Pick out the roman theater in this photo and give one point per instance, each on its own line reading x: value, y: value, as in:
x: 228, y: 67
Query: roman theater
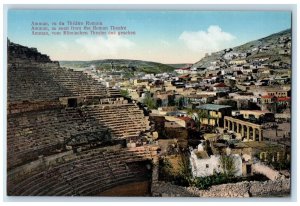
x: 68, y: 135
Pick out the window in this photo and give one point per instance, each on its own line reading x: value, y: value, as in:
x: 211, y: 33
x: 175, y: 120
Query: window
x: 207, y: 165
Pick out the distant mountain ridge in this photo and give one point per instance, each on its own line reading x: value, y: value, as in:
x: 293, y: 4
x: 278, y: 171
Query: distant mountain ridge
x: 124, y: 65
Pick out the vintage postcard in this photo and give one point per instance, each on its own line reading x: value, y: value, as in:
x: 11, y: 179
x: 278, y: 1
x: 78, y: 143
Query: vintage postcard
x: 152, y: 103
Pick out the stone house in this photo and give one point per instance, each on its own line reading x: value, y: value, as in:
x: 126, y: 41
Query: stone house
x: 214, y: 114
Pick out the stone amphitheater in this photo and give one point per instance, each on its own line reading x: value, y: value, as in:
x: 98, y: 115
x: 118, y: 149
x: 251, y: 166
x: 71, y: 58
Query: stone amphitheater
x: 67, y: 134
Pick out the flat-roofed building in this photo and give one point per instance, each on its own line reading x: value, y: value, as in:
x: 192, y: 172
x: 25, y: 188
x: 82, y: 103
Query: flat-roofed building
x: 268, y: 99
x: 214, y: 114
x: 258, y: 115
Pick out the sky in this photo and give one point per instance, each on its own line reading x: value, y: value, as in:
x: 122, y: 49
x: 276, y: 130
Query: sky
x: 161, y: 36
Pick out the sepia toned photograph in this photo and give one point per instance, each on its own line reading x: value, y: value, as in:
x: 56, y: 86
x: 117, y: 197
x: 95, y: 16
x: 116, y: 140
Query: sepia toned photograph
x: 149, y: 103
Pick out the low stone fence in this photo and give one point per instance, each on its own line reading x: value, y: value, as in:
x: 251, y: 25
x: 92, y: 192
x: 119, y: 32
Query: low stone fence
x: 240, y: 189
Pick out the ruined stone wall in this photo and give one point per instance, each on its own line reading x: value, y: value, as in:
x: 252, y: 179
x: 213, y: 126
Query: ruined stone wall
x: 270, y: 173
x: 181, y: 134
x: 32, y: 106
x: 18, y: 52
x: 241, y: 189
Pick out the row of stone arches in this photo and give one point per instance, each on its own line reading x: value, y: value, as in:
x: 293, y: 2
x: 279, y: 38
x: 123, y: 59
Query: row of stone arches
x: 247, y: 130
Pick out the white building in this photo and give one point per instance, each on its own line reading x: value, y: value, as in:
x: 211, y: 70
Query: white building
x: 183, y: 70
x: 207, y: 166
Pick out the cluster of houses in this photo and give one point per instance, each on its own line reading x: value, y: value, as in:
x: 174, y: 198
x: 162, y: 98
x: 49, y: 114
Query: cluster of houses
x: 236, y: 105
x: 242, y: 108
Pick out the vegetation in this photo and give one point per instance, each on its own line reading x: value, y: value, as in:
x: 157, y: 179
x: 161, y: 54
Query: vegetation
x: 125, y: 65
x: 166, y: 170
x: 182, y: 177
x: 185, y: 173
x: 171, y: 102
x: 204, y: 183
x: 128, y: 74
x: 271, y: 158
x: 281, y: 165
x: 124, y: 93
x: 198, y: 115
x: 228, y: 166
x: 149, y: 101
x: 180, y: 102
x: 185, y: 178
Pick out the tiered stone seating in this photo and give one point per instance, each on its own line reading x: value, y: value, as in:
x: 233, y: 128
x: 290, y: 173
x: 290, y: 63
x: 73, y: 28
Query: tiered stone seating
x: 47, y: 83
x: 33, y: 76
x: 40, y: 122
x: 125, y: 120
x: 35, y: 133
x: 87, y: 173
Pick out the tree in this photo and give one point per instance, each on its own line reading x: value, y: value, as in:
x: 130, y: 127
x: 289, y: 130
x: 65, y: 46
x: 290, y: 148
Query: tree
x: 149, y: 101
x: 228, y: 165
x: 124, y: 93
x: 165, y: 170
x: 180, y: 102
x: 200, y: 115
x: 185, y: 173
x: 190, y: 111
x: 197, y: 115
x: 171, y: 102
x: 158, y: 102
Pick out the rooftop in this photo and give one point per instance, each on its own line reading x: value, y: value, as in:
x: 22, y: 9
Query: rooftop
x: 213, y: 107
x: 201, y: 154
x: 267, y: 96
x: 185, y: 118
x: 283, y: 99
x: 184, y: 76
x: 220, y: 85
x: 255, y: 111
x: 176, y: 113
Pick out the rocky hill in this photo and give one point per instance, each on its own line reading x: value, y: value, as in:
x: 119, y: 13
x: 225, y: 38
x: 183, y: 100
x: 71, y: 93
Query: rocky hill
x: 274, y: 49
x: 17, y: 52
x: 123, y: 65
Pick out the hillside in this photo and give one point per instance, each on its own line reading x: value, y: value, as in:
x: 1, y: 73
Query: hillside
x: 123, y: 65
x: 177, y: 66
x: 275, y: 48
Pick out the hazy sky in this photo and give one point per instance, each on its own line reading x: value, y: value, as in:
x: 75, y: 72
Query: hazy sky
x: 167, y: 37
